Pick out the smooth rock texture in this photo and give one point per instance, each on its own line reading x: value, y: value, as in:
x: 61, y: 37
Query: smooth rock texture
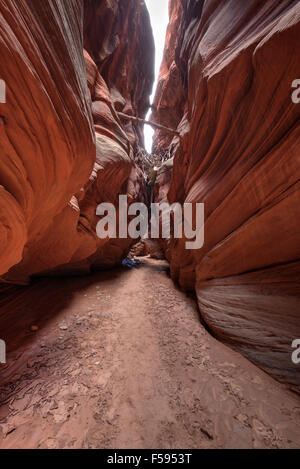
x: 64, y: 149
x: 118, y: 37
x: 226, y: 83
x: 44, y: 161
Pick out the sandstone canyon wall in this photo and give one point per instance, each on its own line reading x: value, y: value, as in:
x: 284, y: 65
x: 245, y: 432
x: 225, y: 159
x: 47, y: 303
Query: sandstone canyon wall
x: 63, y: 147
x: 225, y: 83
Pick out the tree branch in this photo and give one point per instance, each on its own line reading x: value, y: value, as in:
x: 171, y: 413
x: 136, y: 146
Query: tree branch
x: 152, y: 124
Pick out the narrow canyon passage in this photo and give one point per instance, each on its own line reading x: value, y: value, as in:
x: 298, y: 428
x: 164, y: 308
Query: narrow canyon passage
x: 96, y: 352
x: 121, y: 360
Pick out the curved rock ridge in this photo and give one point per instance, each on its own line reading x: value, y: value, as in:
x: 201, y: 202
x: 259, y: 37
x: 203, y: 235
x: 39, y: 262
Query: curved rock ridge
x: 229, y: 68
x: 118, y: 36
x: 64, y: 148
x: 43, y: 161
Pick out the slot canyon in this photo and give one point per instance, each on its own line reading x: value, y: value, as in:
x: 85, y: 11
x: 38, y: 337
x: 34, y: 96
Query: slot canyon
x: 126, y: 343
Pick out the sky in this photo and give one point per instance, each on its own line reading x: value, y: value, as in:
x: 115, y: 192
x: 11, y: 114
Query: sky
x: 159, y: 15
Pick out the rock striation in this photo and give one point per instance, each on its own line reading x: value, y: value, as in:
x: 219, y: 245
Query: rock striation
x: 64, y: 149
x: 225, y: 83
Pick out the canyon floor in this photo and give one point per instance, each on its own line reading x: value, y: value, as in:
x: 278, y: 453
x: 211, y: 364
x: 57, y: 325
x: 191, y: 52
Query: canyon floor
x: 121, y: 360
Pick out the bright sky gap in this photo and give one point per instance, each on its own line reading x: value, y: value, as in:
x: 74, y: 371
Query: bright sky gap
x: 159, y: 15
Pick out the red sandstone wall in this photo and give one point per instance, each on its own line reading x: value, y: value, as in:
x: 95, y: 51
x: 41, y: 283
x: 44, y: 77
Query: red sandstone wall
x: 228, y: 70
x: 51, y: 176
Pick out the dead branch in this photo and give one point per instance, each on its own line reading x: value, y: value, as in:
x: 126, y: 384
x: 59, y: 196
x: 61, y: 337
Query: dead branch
x: 152, y: 124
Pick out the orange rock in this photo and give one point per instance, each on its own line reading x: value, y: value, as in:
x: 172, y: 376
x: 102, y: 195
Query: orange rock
x: 44, y: 161
x: 239, y: 154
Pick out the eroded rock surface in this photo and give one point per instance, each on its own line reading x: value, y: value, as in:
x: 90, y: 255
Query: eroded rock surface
x: 226, y: 84
x: 76, y: 383
x: 56, y: 166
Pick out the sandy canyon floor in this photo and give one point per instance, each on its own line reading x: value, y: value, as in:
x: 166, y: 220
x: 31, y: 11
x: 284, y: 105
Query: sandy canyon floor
x: 121, y: 360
